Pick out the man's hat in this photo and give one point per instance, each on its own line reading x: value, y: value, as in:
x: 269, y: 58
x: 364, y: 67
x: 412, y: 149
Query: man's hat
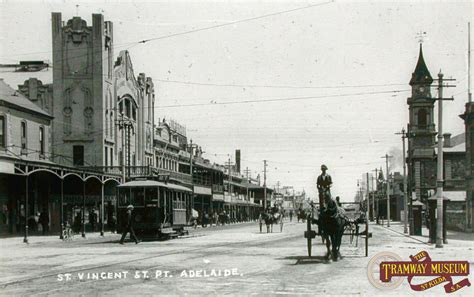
x: 324, y: 167
x: 130, y: 207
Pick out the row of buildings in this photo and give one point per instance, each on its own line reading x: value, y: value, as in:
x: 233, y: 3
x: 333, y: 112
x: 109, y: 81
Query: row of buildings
x: 65, y: 146
x: 421, y: 159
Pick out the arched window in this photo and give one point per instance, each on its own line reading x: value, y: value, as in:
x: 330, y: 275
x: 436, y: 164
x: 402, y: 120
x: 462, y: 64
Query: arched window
x: 127, y: 108
x: 41, y: 141
x: 422, y: 118
x: 23, y: 137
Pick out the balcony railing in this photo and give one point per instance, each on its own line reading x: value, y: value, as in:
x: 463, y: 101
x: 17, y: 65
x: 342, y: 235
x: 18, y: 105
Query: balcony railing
x: 183, y: 177
x: 144, y: 171
x: 218, y: 188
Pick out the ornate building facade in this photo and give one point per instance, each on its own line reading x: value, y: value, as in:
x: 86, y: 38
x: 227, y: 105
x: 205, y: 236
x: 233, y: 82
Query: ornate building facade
x: 422, y: 153
x: 421, y: 132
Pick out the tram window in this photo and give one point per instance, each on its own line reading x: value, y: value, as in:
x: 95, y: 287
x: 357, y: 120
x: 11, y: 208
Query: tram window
x: 123, y: 197
x: 151, y: 196
x: 162, y: 197
x: 138, y: 197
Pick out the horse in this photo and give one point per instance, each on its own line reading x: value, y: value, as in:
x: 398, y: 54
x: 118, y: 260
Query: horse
x: 270, y: 218
x: 331, y: 224
x: 301, y: 215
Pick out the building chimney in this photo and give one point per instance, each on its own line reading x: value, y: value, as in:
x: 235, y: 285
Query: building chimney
x: 447, y: 139
x: 237, y: 160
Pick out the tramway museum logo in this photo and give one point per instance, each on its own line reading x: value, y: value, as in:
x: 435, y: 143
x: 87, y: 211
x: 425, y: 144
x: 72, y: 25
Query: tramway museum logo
x: 387, y: 271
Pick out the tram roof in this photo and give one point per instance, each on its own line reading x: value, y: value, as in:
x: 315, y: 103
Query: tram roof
x: 152, y: 183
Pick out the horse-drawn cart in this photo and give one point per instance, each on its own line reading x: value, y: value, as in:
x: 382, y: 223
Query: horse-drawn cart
x: 348, y: 226
x: 270, y: 218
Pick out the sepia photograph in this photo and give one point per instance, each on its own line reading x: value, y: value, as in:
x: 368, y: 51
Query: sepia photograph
x: 237, y: 147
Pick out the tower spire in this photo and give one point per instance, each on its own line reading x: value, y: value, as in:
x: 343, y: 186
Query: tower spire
x: 421, y: 75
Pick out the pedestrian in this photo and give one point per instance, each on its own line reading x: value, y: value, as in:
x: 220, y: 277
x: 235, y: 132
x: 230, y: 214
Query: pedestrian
x: 129, y: 227
x: 77, y: 222
x: 112, y: 223
x: 291, y: 215
x: 37, y: 223
x: 92, y: 219
x: 205, y: 219
x: 216, y: 218
x: 44, y: 221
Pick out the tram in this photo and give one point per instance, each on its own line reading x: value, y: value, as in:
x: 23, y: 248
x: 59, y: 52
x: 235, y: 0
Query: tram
x: 161, y: 210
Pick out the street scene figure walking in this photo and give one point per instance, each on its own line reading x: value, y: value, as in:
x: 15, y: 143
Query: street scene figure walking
x: 129, y: 227
x: 44, y: 221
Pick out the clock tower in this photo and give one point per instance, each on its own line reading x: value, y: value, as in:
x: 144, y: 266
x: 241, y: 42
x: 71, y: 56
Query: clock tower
x: 421, y: 132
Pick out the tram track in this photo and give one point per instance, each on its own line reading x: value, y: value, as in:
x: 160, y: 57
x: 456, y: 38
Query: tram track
x: 205, y: 247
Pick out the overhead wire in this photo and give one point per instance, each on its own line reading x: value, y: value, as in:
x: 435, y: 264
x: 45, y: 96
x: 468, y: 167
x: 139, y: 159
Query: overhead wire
x: 143, y: 41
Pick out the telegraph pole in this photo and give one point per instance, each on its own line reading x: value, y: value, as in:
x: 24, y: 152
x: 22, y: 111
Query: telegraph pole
x: 439, y: 172
x: 368, y: 197
x: 405, y: 192
x: 373, y: 199
x: 229, y: 180
x: 439, y: 180
x: 386, y: 157
x: 247, y: 171
x: 191, y: 146
x: 376, y: 185
x: 264, y: 184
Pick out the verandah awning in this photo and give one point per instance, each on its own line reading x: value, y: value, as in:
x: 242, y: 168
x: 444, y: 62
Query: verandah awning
x: 153, y: 184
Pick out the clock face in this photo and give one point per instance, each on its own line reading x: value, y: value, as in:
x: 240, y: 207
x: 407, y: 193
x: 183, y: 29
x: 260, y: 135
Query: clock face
x: 421, y: 89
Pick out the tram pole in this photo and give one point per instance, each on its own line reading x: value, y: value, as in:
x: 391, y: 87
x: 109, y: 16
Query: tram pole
x: 405, y: 191
x: 83, y: 208
x: 376, y: 200
x: 386, y: 157
x: 25, y: 239
x: 102, y: 212
x: 264, y: 184
x: 439, y: 179
x: 191, y: 147
x: 61, y: 210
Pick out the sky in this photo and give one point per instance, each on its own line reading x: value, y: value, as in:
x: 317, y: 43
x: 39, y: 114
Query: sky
x: 296, y: 83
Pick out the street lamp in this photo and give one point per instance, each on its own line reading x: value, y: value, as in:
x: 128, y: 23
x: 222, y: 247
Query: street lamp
x: 125, y: 124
